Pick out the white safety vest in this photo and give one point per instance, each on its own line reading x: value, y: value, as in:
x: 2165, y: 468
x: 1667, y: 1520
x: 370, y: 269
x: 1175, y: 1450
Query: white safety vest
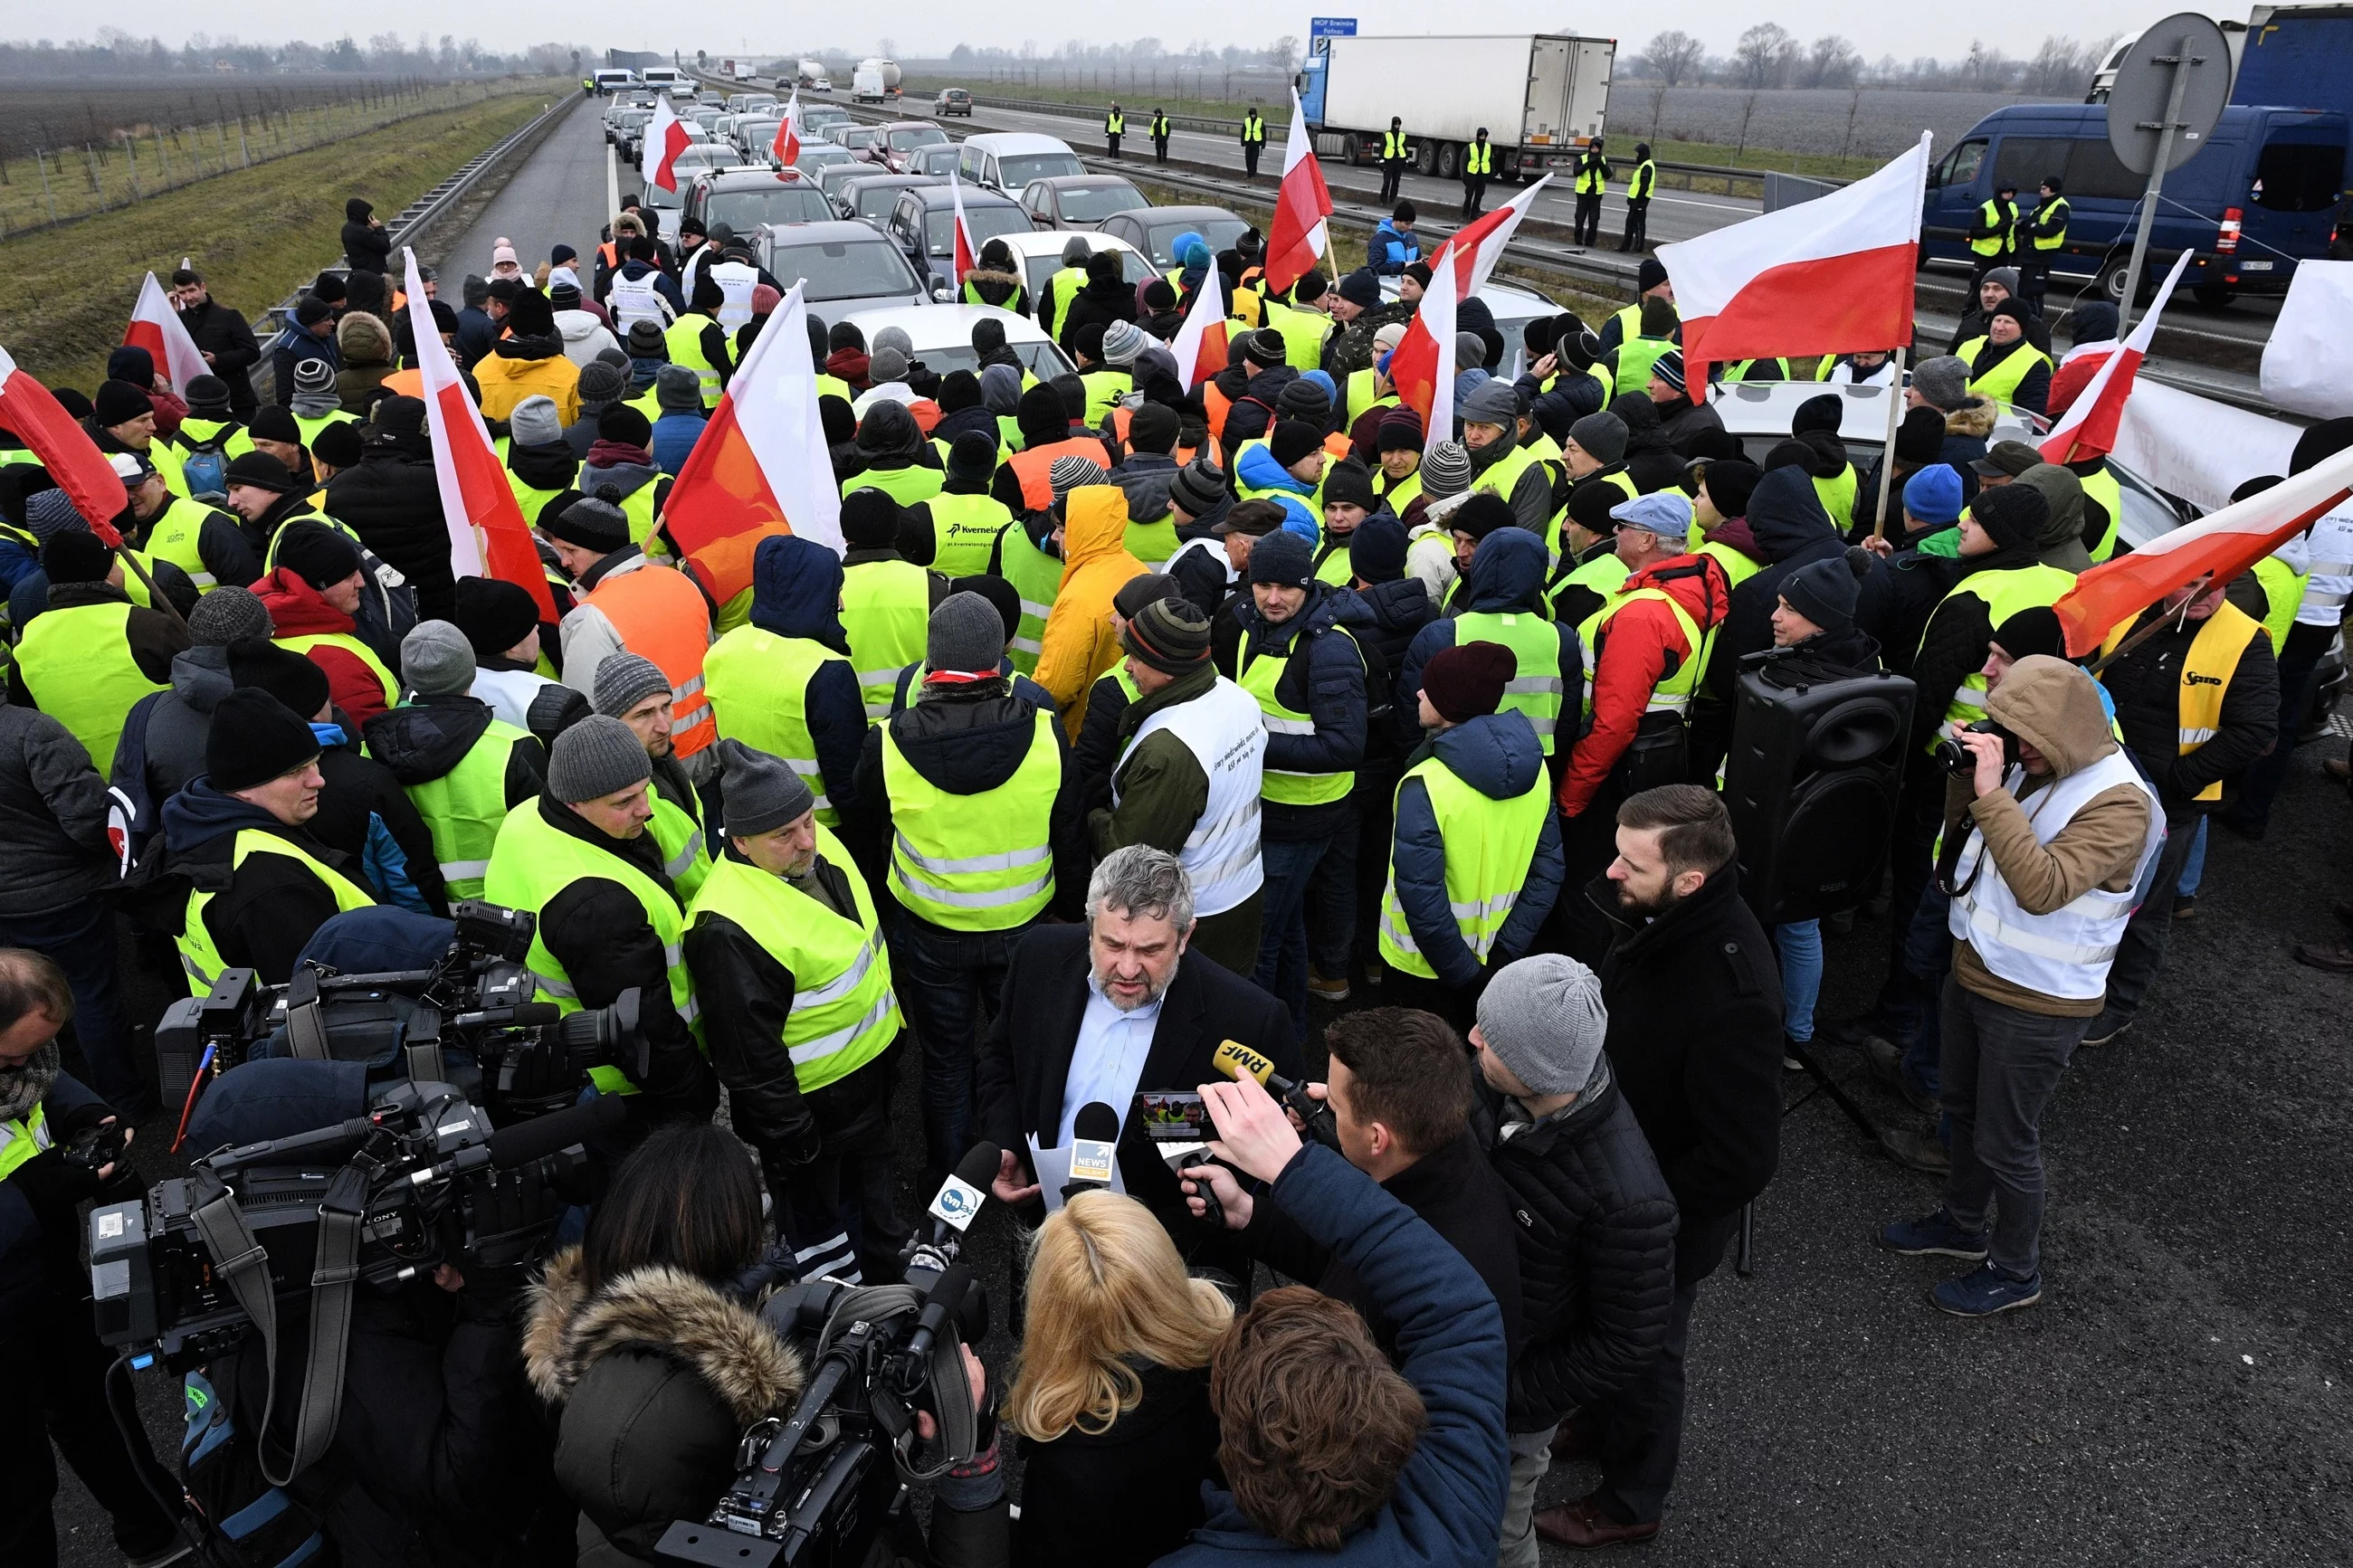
x: 1222, y: 729
x: 2066, y: 952
x: 2331, y: 543
x: 738, y: 281
x: 509, y: 693
x: 635, y: 299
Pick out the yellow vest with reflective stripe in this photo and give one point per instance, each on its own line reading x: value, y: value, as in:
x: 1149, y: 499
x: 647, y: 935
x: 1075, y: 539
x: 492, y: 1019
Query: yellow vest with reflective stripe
x: 1837, y: 495
x: 1538, y: 688
x: 1038, y: 578
x: 1152, y: 542
x: 1999, y: 382
x: 844, y: 1014
x: 686, y: 849
x: 886, y: 611
x: 684, y: 337
x: 1061, y: 290
x: 22, y: 1139
x: 1998, y: 216
x: 1635, y: 358
x: 1114, y: 124
x: 199, y: 956
x: 1258, y: 675
x: 963, y: 532
x: 2004, y: 594
x: 1105, y: 386
x: 304, y: 642
x: 2103, y: 487
x: 76, y: 665
x: 309, y: 424
x: 1644, y: 184
x: 2206, y: 671
x: 1671, y: 695
x: 758, y: 686
x: 975, y: 862
x: 278, y: 534
x: 1253, y: 128
x: 530, y: 863
x: 1590, y: 180
x: 1393, y: 144
x: 531, y: 498
x: 2282, y: 596
x: 464, y: 807
x: 1478, y: 158
x: 1303, y: 333
x: 1360, y: 397
x: 174, y: 536
x: 906, y: 486
x: 1489, y: 846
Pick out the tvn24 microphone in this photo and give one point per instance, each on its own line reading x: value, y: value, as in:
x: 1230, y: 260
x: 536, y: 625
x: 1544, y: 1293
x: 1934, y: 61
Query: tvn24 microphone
x: 1095, y: 1146
x: 961, y: 1196
x: 1237, y: 1061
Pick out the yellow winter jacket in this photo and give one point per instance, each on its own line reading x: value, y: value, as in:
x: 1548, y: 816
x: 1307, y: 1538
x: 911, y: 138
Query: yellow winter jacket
x: 1078, y: 644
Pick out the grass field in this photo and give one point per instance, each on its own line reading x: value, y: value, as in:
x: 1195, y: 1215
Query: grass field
x: 55, y: 112
x: 256, y: 233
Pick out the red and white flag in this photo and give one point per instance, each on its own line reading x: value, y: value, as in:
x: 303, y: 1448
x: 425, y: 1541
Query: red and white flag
x: 968, y: 254
x: 2088, y: 430
x: 1421, y: 367
x: 1833, y: 275
x: 760, y: 467
x: 787, y: 147
x: 1200, y: 347
x: 155, y: 327
x: 1297, y: 236
x: 2222, y: 544
x: 488, y: 534
x: 28, y: 413
x: 1483, y: 241
x: 666, y: 138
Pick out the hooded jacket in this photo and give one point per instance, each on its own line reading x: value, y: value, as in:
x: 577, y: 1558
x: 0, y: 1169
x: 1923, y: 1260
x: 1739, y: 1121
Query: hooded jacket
x: 1325, y: 676
x: 367, y: 249
x: 425, y: 737
x: 1078, y: 644
x: 1643, y: 644
x: 1256, y: 469
x: 1507, y: 576
x: 584, y: 336
x: 393, y: 501
x: 1002, y: 289
x: 365, y: 814
x: 1497, y: 755
x: 365, y: 346
x: 2063, y: 544
x: 2056, y: 708
x: 266, y: 910
x: 296, y: 609
x: 614, y: 471
x: 796, y: 593
x: 163, y: 743
x: 520, y: 367
x: 1966, y: 430
x: 1790, y: 529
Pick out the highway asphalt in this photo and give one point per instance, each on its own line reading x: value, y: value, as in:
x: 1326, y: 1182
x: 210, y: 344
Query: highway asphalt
x: 557, y: 194
x: 2172, y: 1401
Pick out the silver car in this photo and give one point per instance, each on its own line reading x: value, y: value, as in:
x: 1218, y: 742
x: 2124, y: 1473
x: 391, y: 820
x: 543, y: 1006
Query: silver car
x: 846, y: 267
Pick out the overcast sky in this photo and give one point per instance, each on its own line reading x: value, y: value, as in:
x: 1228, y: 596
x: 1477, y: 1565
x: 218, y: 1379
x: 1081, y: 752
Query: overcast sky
x: 1904, y: 30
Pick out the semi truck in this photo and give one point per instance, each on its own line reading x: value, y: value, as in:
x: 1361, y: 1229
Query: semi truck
x: 1542, y: 96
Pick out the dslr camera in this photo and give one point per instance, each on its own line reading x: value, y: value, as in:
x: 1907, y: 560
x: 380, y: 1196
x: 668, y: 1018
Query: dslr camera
x: 1961, y: 762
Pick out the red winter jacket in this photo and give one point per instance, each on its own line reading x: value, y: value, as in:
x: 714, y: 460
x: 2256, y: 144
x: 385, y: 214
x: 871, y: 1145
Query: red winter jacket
x: 297, y: 610
x: 2068, y: 382
x: 1635, y: 651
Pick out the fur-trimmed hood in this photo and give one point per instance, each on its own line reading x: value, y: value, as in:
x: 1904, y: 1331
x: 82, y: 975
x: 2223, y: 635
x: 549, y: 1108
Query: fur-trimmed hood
x: 664, y: 1311
x: 1974, y: 418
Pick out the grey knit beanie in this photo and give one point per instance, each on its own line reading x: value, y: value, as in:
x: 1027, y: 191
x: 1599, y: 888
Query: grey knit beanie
x: 678, y: 390
x: 1601, y: 434
x: 226, y: 614
x: 761, y: 793
x: 966, y: 636
x: 1942, y: 383
x: 1445, y: 470
x: 535, y: 423
x: 437, y: 660
x: 625, y: 679
x: 1544, y: 1019
x: 595, y: 757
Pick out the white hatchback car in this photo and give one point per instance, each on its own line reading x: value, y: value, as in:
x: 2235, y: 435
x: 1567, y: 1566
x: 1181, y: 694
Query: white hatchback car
x: 942, y: 336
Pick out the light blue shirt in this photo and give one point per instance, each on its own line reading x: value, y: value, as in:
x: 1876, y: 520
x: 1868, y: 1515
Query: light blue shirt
x: 1108, y: 1061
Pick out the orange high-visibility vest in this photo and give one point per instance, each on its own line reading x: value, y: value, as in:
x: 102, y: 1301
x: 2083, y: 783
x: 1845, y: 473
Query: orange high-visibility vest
x: 1215, y: 403
x: 660, y: 613
x: 1030, y: 467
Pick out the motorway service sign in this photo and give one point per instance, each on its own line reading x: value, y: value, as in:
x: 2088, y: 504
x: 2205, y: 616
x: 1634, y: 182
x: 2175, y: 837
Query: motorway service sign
x: 1331, y: 27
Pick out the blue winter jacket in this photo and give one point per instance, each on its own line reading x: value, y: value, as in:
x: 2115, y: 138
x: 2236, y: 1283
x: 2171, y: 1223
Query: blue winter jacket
x: 1258, y: 470
x: 1497, y: 755
x: 1507, y: 576
x: 1390, y: 251
x: 674, y: 437
x: 1447, y: 1507
x: 796, y: 593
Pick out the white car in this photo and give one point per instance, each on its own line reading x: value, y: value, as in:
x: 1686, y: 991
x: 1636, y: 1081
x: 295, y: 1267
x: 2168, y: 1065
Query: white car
x: 942, y: 336
x: 1039, y: 254
x: 1008, y: 161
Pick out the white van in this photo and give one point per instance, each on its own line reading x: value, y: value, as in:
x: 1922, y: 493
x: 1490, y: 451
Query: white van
x: 1008, y: 161
x: 668, y: 79
x: 612, y: 81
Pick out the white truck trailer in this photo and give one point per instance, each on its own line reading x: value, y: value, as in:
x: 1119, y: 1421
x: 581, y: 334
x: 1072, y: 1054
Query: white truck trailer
x: 1542, y: 96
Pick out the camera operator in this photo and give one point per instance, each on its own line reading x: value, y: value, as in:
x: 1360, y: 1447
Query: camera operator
x: 581, y: 857
x: 259, y: 885
x: 799, y: 1015
x: 1326, y: 1448
x: 56, y: 1367
x: 440, y: 1458
x: 1111, y: 1393
x: 2044, y: 852
x: 1400, y: 1096
x: 641, y: 1338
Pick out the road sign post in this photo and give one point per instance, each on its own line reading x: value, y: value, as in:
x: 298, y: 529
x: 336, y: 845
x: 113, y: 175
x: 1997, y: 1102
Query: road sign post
x: 2169, y: 90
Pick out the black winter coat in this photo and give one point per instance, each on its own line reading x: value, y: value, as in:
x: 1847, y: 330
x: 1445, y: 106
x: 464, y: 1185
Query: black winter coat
x: 1126, y: 1496
x: 1787, y: 520
x: 2146, y: 686
x: 1695, y: 1000
x: 1324, y: 676
x: 226, y: 336
x: 367, y: 249
x: 393, y: 503
x: 53, y: 845
x: 1393, y: 613
x: 1097, y: 304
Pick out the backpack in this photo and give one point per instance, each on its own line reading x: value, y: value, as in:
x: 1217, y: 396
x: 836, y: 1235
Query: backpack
x: 205, y: 467
x: 247, y: 1522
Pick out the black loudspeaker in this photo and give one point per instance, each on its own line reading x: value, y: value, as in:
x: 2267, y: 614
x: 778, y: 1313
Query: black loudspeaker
x: 1811, y: 784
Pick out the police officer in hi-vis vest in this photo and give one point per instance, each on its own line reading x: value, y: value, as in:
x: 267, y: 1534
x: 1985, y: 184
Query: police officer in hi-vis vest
x: 1254, y: 141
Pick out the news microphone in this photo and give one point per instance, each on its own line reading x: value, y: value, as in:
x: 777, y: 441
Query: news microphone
x: 961, y: 1196
x: 543, y: 1135
x: 1094, y: 1147
x: 1237, y: 1061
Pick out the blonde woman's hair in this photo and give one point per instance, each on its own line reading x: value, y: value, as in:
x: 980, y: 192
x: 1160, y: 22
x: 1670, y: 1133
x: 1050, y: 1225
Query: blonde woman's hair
x: 1106, y: 1285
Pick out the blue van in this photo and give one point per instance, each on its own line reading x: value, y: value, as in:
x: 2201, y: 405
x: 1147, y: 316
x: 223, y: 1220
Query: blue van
x: 2259, y: 197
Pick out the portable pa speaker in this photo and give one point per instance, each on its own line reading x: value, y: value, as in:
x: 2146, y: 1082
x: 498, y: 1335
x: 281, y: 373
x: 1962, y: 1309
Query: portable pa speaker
x: 1811, y: 784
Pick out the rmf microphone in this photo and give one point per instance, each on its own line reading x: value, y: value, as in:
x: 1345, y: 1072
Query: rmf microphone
x: 1094, y: 1147
x: 1237, y: 1061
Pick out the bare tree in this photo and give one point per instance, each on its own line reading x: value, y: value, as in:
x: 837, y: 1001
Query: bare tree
x: 1674, y: 55
x: 1831, y: 61
x: 1763, y: 57
x: 1747, y: 108
x: 1283, y: 53
x: 2063, y: 66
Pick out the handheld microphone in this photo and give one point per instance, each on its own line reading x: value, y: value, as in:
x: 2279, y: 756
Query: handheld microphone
x: 961, y: 1196
x: 1237, y: 1061
x: 1095, y: 1146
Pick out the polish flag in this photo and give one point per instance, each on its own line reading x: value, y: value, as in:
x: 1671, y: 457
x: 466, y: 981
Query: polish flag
x: 760, y: 467
x: 1483, y: 241
x: 155, y: 327
x: 1200, y: 347
x: 28, y: 413
x: 1421, y: 368
x: 2223, y: 544
x: 1297, y: 236
x: 2089, y: 427
x: 787, y: 146
x: 968, y: 254
x: 488, y: 534
x: 1828, y: 276
x: 666, y: 138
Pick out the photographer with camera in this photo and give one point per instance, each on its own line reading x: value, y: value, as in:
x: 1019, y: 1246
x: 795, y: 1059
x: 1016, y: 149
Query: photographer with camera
x: 2044, y: 843
x: 259, y: 885
x: 582, y: 859
x: 58, y: 1146
x: 800, y: 1014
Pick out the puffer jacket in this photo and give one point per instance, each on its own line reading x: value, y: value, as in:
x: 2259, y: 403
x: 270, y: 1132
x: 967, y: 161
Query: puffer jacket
x: 297, y: 610
x: 1256, y: 469
x: 365, y: 814
x: 1507, y: 576
x: 1597, y: 1247
x: 1643, y: 644
x: 585, y: 335
x: 392, y: 501
x: 517, y: 368
x: 1002, y: 289
x: 1497, y: 755
x: 162, y: 744
x: 368, y: 357
x: 1323, y: 677
x: 1078, y: 644
x: 656, y: 1375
